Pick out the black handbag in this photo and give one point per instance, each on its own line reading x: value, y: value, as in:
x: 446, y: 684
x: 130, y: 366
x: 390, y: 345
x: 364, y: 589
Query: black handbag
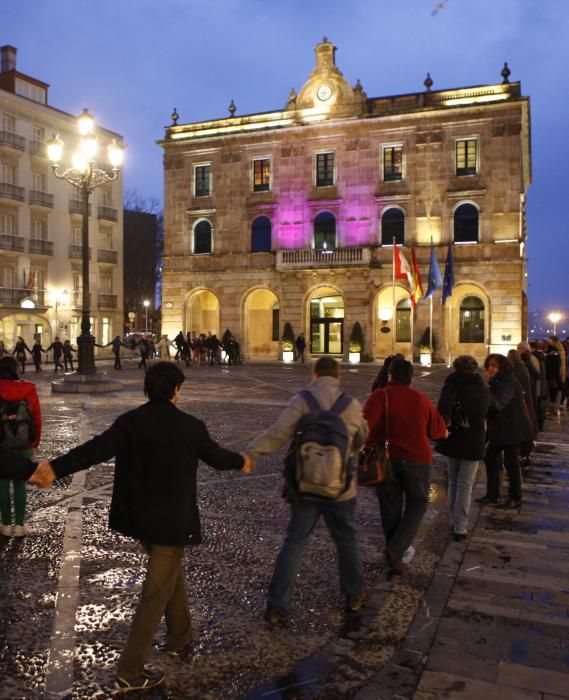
x: 458, y: 418
x: 374, y: 462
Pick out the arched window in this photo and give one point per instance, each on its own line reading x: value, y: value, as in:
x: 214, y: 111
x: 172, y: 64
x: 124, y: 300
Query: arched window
x: 471, y: 320
x: 393, y: 226
x: 202, y: 238
x: 325, y: 231
x: 403, y: 321
x: 261, y: 235
x: 466, y: 224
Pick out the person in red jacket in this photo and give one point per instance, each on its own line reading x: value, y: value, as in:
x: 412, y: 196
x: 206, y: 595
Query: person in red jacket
x: 12, y: 390
x: 411, y: 421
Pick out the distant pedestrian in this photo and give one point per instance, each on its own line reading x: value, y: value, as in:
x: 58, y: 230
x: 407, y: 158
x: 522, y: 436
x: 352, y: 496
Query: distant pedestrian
x: 465, y: 446
x: 409, y: 423
x: 554, y: 379
x: 37, y: 351
x: 57, y: 347
x: 380, y: 382
x: 339, y: 513
x: 20, y: 405
x: 20, y: 353
x: 157, y: 449
x: 116, y: 345
x: 68, y: 351
x: 144, y: 350
x: 300, y: 345
x: 508, y: 426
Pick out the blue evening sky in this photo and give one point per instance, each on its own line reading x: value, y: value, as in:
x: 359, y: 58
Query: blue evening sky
x: 132, y: 61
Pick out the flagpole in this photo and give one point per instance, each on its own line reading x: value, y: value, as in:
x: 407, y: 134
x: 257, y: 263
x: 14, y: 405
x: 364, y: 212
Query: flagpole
x: 449, y: 330
x: 431, y: 325
x: 393, y: 316
x: 412, y: 330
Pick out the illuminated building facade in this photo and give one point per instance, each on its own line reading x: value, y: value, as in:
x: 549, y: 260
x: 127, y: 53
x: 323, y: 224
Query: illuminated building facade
x: 290, y: 216
x: 40, y: 223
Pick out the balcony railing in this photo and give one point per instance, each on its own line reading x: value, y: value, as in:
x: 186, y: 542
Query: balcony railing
x: 12, y: 191
x: 8, y: 138
x: 108, y: 301
x: 37, y: 148
x: 309, y: 257
x: 9, y: 242
x: 44, y: 199
x: 40, y: 247
x: 107, y: 256
x: 76, y: 206
x: 10, y: 296
x: 76, y: 251
x: 107, y: 213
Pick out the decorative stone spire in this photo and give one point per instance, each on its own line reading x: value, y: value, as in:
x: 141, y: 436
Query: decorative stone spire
x: 358, y: 88
x: 232, y: 109
x: 291, y: 103
x: 506, y: 72
x: 175, y: 116
x: 325, y: 56
x: 428, y: 82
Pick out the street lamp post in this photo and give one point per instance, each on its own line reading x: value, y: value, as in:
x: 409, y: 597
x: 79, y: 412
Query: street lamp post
x: 554, y: 317
x: 146, y: 304
x: 86, y: 177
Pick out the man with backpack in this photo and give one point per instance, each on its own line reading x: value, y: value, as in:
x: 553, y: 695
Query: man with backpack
x: 325, y: 424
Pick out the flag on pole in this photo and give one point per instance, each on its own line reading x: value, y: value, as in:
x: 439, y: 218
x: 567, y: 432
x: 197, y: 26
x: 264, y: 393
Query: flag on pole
x: 435, y: 277
x: 448, y: 282
x: 401, y: 266
x: 417, y: 287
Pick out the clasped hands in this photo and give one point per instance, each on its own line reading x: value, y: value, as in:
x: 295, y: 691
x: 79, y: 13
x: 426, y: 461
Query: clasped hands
x: 249, y: 466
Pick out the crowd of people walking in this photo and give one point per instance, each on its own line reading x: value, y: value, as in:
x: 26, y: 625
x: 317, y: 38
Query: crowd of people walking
x: 491, y: 414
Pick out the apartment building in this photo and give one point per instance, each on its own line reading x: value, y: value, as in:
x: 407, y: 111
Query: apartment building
x: 290, y: 216
x: 40, y: 223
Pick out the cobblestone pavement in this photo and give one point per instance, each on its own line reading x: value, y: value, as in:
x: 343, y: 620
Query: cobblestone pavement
x: 466, y: 619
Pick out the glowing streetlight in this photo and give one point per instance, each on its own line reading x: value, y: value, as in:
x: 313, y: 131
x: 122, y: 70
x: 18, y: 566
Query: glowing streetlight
x: 146, y: 304
x: 86, y: 177
x: 554, y: 317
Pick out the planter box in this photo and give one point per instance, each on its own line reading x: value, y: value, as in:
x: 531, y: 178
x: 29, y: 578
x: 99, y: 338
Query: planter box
x: 354, y: 357
x: 425, y: 359
x: 288, y: 356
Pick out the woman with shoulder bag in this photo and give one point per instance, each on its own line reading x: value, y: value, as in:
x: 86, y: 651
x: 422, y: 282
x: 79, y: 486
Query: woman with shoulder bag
x: 464, y: 403
x: 412, y: 421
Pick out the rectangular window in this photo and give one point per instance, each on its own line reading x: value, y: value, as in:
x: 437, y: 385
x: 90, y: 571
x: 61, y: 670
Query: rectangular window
x: 202, y: 180
x: 38, y: 134
x: 105, y: 331
x: 106, y: 239
x: 105, y: 284
x: 77, y: 235
x: 466, y: 156
x: 38, y: 182
x: 77, y: 286
x: 7, y: 277
x: 39, y: 229
x: 392, y: 163
x: 9, y: 124
x: 8, y: 174
x: 31, y: 91
x: 7, y: 224
x: 76, y: 194
x: 324, y: 169
x: 105, y: 198
x: 261, y: 175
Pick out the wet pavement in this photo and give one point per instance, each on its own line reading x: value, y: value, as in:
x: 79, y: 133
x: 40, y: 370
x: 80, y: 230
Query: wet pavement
x: 468, y: 620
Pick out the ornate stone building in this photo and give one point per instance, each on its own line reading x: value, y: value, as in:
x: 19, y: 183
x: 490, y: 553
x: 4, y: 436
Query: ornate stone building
x: 40, y: 223
x: 290, y: 216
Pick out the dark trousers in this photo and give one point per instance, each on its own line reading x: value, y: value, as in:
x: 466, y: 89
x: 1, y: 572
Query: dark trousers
x: 493, y: 462
x: 117, y: 361
x: 163, y: 593
x: 403, y: 502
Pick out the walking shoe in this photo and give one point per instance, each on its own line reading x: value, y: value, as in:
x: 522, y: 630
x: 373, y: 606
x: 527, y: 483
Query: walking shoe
x: 460, y: 536
x: 184, y: 653
x: 510, y: 504
x: 20, y: 530
x: 6, y: 530
x: 355, y: 602
x: 408, y: 554
x: 275, y: 616
x: 146, y: 681
x: 487, y: 500
x: 395, y: 562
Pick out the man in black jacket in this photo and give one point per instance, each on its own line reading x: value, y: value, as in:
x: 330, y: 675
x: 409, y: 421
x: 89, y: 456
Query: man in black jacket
x: 157, y: 448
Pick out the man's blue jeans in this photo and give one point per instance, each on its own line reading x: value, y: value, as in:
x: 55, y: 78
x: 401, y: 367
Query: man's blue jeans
x: 339, y: 517
x: 461, y: 477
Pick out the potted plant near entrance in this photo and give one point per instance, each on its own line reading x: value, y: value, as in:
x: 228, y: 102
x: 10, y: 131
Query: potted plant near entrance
x: 356, y: 343
x: 287, y: 343
x: 425, y: 352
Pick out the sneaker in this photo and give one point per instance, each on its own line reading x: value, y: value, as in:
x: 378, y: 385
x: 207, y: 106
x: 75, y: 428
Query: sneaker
x: 275, y: 616
x: 408, y: 554
x: 396, y: 563
x: 146, y: 681
x: 185, y: 652
x: 6, y: 530
x: 460, y: 536
x: 20, y: 530
x: 510, y: 504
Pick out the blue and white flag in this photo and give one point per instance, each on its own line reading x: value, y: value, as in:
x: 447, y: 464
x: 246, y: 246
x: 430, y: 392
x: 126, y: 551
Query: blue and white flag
x: 435, y: 277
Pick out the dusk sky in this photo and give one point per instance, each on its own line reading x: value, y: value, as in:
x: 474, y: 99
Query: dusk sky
x: 131, y: 61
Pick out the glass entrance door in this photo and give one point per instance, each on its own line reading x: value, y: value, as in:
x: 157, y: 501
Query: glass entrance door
x: 326, y: 325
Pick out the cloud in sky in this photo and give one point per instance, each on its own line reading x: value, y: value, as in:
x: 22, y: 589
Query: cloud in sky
x: 132, y: 61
